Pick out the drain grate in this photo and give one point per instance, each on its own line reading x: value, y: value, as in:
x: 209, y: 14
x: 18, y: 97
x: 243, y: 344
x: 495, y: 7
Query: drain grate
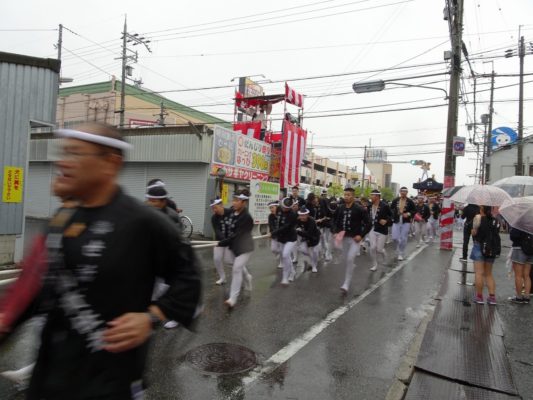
x: 222, y: 358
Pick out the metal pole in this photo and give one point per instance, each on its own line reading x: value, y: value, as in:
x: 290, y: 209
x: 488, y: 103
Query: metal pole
x: 447, y: 219
x: 364, y: 167
x: 488, y: 133
x: 520, y: 147
x: 123, y: 80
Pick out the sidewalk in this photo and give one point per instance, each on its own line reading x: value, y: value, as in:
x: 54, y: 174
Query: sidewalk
x: 472, y: 351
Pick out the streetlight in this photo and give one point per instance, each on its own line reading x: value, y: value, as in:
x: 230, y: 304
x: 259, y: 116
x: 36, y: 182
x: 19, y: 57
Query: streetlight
x: 221, y: 173
x: 379, y: 85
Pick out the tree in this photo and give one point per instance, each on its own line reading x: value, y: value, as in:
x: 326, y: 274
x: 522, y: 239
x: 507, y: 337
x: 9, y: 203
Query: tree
x: 336, y: 189
x: 387, y: 193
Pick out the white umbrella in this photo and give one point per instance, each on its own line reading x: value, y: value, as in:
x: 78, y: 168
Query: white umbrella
x: 516, y: 186
x: 482, y: 195
x: 518, y: 213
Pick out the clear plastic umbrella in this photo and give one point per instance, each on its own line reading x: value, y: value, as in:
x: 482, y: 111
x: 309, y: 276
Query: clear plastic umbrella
x: 516, y: 186
x: 482, y: 195
x: 519, y: 213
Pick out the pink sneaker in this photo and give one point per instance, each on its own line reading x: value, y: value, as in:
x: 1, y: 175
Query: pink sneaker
x: 491, y: 300
x: 478, y: 299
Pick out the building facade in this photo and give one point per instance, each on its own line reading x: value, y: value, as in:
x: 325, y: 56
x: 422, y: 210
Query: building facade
x: 503, y: 160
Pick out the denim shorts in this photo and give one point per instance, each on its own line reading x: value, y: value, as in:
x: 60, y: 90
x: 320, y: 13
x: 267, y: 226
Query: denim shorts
x: 476, y: 254
x: 518, y: 256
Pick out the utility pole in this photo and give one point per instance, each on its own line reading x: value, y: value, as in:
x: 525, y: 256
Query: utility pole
x: 162, y: 114
x: 123, y: 79
x: 60, y: 42
x: 364, y: 168
x: 455, y: 14
x: 488, y: 134
x: 520, y: 146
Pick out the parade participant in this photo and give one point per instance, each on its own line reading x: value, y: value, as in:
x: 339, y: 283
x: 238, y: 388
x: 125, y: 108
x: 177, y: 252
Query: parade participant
x: 469, y: 212
x: 297, y: 198
x: 324, y: 225
x: 421, y: 220
x: 522, y: 258
x: 380, y: 217
x: 294, y: 254
x: 286, y: 234
x: 170, y: 203
x: 221, y: 222
x: 352, y: 224
x: 241, y: 244
x: 273, y: 225
x: 433, y: 223
x: 486, y: 235
x: 104, y: 256
x: 308, y: 231
x: 403, y: 209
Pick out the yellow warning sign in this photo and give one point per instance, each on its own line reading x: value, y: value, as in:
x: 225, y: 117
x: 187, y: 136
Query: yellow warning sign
x: 13, y: 184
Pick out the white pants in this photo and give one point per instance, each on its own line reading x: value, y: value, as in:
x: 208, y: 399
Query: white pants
x: 286, y: 253
x: 325, y: 242
x: 433, y: 227
x: 275, y: 247
x: 420, y: 230
x: 311, y: 252
x: 400, y: 234
x: 239, y: 269
x: 222, y: 255
x: 350, y: 249
x: 377, y: 244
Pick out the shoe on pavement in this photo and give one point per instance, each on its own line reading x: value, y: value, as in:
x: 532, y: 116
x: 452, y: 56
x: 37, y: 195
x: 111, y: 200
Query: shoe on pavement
x: 220, y: 282
x: 284, y: 282
x: 374, y: 267
x: 400, y: 257
x: 418, y: 245
x: 248, y: 282
x: 280, y: 266
x: 344, y: 290
x: 314, y: 270
x: 491, y: 300
x: 516, y: 299
x: 478, y: 299
x: 462, y: 259
x: 230, y: 303
x: 291, y: 276
x: 170, y: 324
x: 525, y: 300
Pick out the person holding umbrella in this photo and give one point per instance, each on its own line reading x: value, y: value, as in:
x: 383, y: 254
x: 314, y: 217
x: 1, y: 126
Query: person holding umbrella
x: 522, y: 258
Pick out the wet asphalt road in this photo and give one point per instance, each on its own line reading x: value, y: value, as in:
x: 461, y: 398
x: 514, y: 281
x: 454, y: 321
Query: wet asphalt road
x: 353, y: 357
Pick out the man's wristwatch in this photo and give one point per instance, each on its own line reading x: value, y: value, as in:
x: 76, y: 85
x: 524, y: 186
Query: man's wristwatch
x: 155, y: 320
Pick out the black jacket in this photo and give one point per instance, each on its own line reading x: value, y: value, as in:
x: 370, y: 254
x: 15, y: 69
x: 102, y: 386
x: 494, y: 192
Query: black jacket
x: 469, y: 212
x: 273, y: 223
x: 240, y: 240
x: 221, y: 224
x: 409, y: 208
x: 308, y: 230
x: 116, y: 256
x: 423, y: 210
x: 301, y: 201
x: 383, y: 212
x: 434, y: 209
x: 354, y: 221
x: 287, y: 227
x: 517, y: 236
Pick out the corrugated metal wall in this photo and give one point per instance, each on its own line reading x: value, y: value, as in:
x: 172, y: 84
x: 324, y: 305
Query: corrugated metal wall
x: 26, y: 93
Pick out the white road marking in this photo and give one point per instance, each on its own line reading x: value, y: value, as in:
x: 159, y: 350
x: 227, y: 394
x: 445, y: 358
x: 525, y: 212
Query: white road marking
x: 297, y: 344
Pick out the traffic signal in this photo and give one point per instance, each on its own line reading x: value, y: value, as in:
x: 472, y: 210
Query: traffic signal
x: 417, y: 162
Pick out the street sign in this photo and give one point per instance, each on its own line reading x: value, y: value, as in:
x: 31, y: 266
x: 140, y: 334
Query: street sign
x: 503, y: 136
x: 370, y: 86
x: 459, y: 145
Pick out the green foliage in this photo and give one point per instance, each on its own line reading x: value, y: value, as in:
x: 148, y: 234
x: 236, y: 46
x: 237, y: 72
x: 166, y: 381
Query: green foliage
x: 336, y: 189
x: 387, y: 193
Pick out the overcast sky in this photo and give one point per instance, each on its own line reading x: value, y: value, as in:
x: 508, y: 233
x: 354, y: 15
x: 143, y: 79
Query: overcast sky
x: 199, y: 44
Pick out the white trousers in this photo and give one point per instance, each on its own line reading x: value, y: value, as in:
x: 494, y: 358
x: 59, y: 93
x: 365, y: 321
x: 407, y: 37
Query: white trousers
x: 400, y: 234
x: 325, y: 242
x: 286, y: 259
x: 377, y: 244
x: 433, y: 227
x: 311, y: 252
x: 420, y: 230
x: 239, y: 269
x: 275, y: 247
x: 350, y: 249
x: 222, y: 255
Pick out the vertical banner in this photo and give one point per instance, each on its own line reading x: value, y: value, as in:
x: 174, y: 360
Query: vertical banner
x: 13, y: 184
x: 293, y: 150
x: 224, y: 193
x: 262, y: 193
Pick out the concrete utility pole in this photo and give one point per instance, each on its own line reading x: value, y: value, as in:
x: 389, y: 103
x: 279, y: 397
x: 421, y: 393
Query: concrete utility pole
x: 60, y: 42
x: 488, y: 138
x: 364, y: 168
x: 123, y: 79
x: 520, y: 146
x: 455, y: 20
x: 162, y: 114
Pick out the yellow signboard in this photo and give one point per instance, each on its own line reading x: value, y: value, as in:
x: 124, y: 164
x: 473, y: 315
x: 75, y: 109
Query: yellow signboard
x: 225, y: 193
x: 13, y: 184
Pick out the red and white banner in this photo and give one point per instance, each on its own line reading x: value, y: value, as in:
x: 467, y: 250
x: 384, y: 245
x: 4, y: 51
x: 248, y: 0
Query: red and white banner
x: 252, y: 129
x: 293, y: 150
x: 293, y: 97
x: 273, y: 137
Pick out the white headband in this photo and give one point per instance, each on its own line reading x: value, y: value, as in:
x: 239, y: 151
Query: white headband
x: 215, y: 202
x: 93, y: 138
x: 241, y: 196
x: 149, y: 196
x: 158, y: 184
x: 303, y: 212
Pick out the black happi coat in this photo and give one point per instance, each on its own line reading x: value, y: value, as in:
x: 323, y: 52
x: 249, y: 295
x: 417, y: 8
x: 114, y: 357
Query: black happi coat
x: 409, y: 208
x: 287, y: 227
x: 240, y: 240
x: 308, y: 230
x: 424, y: 211
x: 434, y: 209
x: 353, y: 220
x: 222, y: 224
x: 383, y: 212
x: 273, y: 223
x: 114, y: 253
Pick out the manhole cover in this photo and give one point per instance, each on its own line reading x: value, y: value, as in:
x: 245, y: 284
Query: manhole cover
x: 222, y: 358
